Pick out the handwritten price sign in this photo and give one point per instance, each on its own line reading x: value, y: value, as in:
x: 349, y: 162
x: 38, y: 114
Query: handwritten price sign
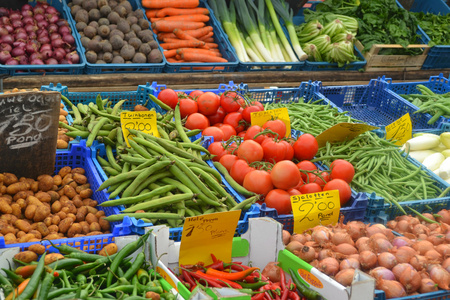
x: 261, y: 117
x: 400, y: 130
x: 144, y: 121
x: 342, y: 132
x: 211, y: 233
x: 315, y: 209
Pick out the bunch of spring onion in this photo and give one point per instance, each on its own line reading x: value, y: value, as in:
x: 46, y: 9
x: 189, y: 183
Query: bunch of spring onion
x: 254, y: 30
x: 331, y: 42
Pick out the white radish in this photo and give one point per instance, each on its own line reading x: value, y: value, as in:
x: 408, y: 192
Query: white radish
x: 444, y: 169
x: 423, y: 142
x: 441, y: 147
x: 433, y: 161
x: 420, y: 155
x: 445, y: 139
x: 446, y: 153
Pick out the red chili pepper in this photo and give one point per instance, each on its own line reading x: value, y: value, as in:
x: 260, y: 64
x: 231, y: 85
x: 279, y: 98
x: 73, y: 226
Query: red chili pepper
x: 230, y: 276
x: 284, y: 294
x: 267, y: 296
x: 55, y: 274
x: 214, y: 258
x: 293, y: 295
x: 208, y: 281
x: 259, y: 296
x: 277, y: 297
x: 237, y: 267
x: 224, y: 281
x: 218, y: 265
x: 187, y: 277
x: 282, y: 279
x: 251, y: 278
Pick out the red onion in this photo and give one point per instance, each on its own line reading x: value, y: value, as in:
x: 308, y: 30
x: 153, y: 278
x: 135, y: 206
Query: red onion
x: 5, y: 20
x: 44, y: 39
x: 329, y: 266
x: 51, y: 10
x: 387, y: 260
x: 307, y: 253
x: 391, y: 288
x: 46, y: 53
x: 4, y: 11
x: 52, y: 28
x: 382, y: 272
x: 404, y: 254
x: 54, y: 36
x: 4, y: 56
x: 51, y: 18
x: 401, y: 241
x: 42, y: 24
x: 428, y: 286
x: 36, y: 62
x: 380, y: 245
x: 69, y: 39
x: 368, y: 260
x: 19, y: 43
x: 17, y: 24
x: 3, y: 31
x: 9, y: 28
x: 5, y: 47
x: 38, y: 10
x: 345, y: 249
x: 411, y: 280
x: 398, y: 269
x: 26, y: 14
x: 17, y: 30
x: 30, y: 28
x: 57, y: 43
x: 59, y: 54
x: 7, y: 39
x: 22, y: 59
x: 63, y: 30
x: 11, y: 61
x: 15, y: 16
x: 419, y: 262
x: 31, y: 47
x: 446, y: 264
x: 32, y: 35
x: 26, y: 7
x: 51, y: 61
x: 28, y: 20
x: 345, y: 277
x: 17, y: 51
x: 62, y: 22
x: 46, y: 47
x: 349, y: 263
x: 440, y: 276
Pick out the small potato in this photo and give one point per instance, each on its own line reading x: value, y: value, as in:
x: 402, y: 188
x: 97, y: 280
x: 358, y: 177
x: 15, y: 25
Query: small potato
x: 5, y: 208
x: 64, y: 171
x: 86, y: 193
x: 43, y: 196
x: 3, y: 189
x: 7, y: 228
x: 52, y: 236
x: 34, y: 186
x: 67, y: 179
x: 37, y: 248
x: 42, y: 228
x: 17, y: 187
x: 48, y: 221
x: 84, y: 227
x: 8, y: 218
x: 21, y: 194
x: 9, y: 178
x: 57, y: 179
x: 104, y: 224
x: 94, y: 233
x: 56, y: 207
x: 42, y: 213
x: 62, y: 215
x: 26, y: 238
x: 109, y: 249
x: 33, y: 200
x: 63, y: 112
x: 74, y: 229
x: 72, y: 216
x: 23, y: 225
x: 81, y: 213
x: 77, y: 201
x: 152, y: 295
x: 100, y: 213
x: 63, y: 199
x: 22, y: 203
x: 10, y: 238
x: 82, y: 187
x: 72, y: 208
x: 78, y: 171
x: 54, y: 195
x: 94, y: 227
x: 20, y: 234
x: 9, y: 198
x: 45, y: 182
x: 36, y: 233
x: 53, y: 229
x: 73, y: 184
x: 69, y: 191
x: 16, y: 210
x: 65, y: 224
x: 30, y: 211
x: 79, y: 178
x: 92, y: 210
x: 52, y: 257
x: 91, y: 218
x: 65, y: 209
x: 26, y: 256
x: 56, y: 220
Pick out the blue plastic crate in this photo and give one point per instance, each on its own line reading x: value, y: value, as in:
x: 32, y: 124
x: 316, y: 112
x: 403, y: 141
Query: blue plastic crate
x: 118, y: 68
x: 62, y: 69
x: 437, y: 7
x: 224, y: 48
x: 439, y: 295
x: 376, y: 104
x: 80, y: 156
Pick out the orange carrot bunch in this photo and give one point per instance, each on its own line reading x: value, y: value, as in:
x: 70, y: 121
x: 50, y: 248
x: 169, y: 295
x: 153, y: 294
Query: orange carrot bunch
x: 182, y: 31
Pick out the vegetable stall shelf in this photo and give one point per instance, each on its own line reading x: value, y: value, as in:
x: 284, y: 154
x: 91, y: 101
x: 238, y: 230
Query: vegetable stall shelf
x: 60, y: 69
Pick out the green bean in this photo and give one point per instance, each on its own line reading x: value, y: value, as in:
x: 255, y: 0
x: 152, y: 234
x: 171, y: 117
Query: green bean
x: 159, y: 202
x: 236, y: 186
x: 159, y: 102
x: 139, y: 198
x: 179, y: 126
x: 150, y: 180
x: 95, y: 130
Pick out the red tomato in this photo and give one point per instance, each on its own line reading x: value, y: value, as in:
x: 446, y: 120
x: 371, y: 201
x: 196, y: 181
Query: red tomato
x: 285, y: 175
x: 310, y: 188
x: 239, y: 170
x: 305, y: 147
x: 300, y: 183
x: 259, y: 104
x: 208, y: 103
x: 215, y: 132
x: 231, y: 101
x: 195, y: 94
x: 289, y: 150
x: 187, y: 107
x: 293, y: 192
x: 218, y: 116
x: 250, y: 151
x: 241, y: 134
x: 342, y: 186
x: 231, y: 149
x: 169, y: 97
x: 342, y: 170
x: 307, y: 166
x: 234, y: 119
x: 252, y: 131
x: 321, y: 181
x: 276, y: 126
x: 228, y: 131
x: 181, y: 94
x: 258, y: 181
x: 228, y: 160
x: 273, y: 151
x: 246, y: 113
x: 280, y: 200
x: 217, y: 149
x: 337, y: 161
x: 196, y: 121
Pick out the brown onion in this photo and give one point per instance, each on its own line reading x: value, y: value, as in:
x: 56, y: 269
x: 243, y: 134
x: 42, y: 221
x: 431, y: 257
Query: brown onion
x: 301, y: 238
x: 356, y: 229
x: 436, y: 238
x: 411, y: 280
x: 400, y: 268
x: 329, y: 266
x: 445, y: 216
x: 421, y: 237
x: 443, y: 249
x: 378, y: 235
x: 446, y: 264
x: 391, y: 224
x: 307, y: 254
x: 345, y: 249
x: 403, y: 226
x: 294, y: 247
x: 429, y: 216
x: 404, y: 254
x: 392, y: 288
x: 321, y: 234
x: 380, y: 245
x: 361, y: 241
x: 345, y: 277
x: 272, y: 271
x: 341, y: 238
x: 368, y: 260
x: 324, y: 253
x: 423, y: 246
x: 420, y: 229
x: 375, y: 228
x: 400, y: 241
x: 414, y: 221
x: 419, y: 262
x: 315, y: 263
x: 433, y: 256
x: 428, y: 286
x: 355, y: 256
x: 387, y: 260
x: 440, y: 276
x: 349, y: 263
x: 383, y: 273
x: 286, y: 237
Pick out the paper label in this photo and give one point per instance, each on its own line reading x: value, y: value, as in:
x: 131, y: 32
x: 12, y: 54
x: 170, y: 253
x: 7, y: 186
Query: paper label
x: 310, y: 278
x: 315, y: 209
x: 206, y: 235
x: 144, y: 121
x: 400, y: 130
x: 166, y: 276
x: 261, y: 117
x: 342, y: 132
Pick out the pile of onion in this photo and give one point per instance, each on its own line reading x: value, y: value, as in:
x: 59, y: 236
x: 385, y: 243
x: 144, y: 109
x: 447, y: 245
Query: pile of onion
x: 36, y: 36
x: 418, y: 262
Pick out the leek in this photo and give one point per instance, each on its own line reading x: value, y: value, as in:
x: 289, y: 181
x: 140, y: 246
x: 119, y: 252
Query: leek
x: 253, y: 56
x: 261, y: 23
x: 238, y: 30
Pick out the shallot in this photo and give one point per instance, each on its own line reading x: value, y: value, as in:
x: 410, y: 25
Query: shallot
x: 428, y: 286
x: 307, y: 253
x: 345, y: 277
x: 349, y: 263
x: 383, y: 273
x: 367, y: 259
x: 441, y: 276
x: 387, y: 260
x: 329, y: 266
x: 411, y: 280
x: 392, y: 288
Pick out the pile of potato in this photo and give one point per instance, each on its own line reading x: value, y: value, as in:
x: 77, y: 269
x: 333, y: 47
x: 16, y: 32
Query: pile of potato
x: 51, y: 207
x: 63, y: 140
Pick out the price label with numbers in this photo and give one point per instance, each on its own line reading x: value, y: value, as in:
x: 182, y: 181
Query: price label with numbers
x: 206, y: 234
x: 400, y: 130
x: 261, y: 117
x: 342, y: 132
x: 144, y: 121
x: 315, y: 209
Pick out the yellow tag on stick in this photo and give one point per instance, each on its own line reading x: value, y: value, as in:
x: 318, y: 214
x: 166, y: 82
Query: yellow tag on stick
x: 261, y: 117
x: 400, y: 130
x: 314, y: 209
x: 144, y: 121
x: 208, y: 234
x: 342, y: 132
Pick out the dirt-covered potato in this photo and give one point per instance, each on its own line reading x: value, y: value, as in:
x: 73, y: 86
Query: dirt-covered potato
x: 37, y: 248
x: 16, y: 187
x: 52, y: 257
x: 22, y: 225
x: 109, y: 249
x: 65, y: 224
x: 45, y: 183
x: 5, y: 208
x: 26, y: 256
x: 42, y: 213
x: 74, y: 229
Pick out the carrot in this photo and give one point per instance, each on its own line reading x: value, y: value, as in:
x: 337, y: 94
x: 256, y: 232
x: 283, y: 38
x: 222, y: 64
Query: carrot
x: 162, y: 35
x: 170, y: 3
x: 169, y: 26
x: 184, y: 36
x: 170, y: 11
x: 190, y: 56
x: 208, y: 35
x: 181, y: 44
x: 170, y: 53
x: 151, y: 13
x: 208, y: 40
x: 178, y: 57
x: 18, y: 290
x: 196, y: 50
x: 199, y: 32
x: 212, y: 45
x: 171, y: 40
x: 173, y: 60
x: 186, y: 18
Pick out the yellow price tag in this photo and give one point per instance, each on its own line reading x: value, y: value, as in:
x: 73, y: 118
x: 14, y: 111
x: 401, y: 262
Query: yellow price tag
x: 400, y: 130
x: 315, y: 209
x: 144, y: 121
x: 342, y: 132
x: 166, y: 276
x: 211, y: 233
x: 261, y: 117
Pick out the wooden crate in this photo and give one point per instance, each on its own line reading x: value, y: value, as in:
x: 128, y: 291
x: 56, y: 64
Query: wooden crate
x: 377, y: 62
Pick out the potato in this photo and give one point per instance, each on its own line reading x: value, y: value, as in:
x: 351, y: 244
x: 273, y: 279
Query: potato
x: 92, y: 209
x: 65, y: 224
x: 62, y: 215
x: 82, y: 187
x: 37, y: 248
x: 94, y: 233
x: 36, y: 233
x: 91, y: 218
x: 52, y: 257
x: 57, y: 180
x: 94, y: 227
x: 42, y: 228
x: 42, y: 213
x: 55, y: 220
x: 10, y: 238
x: 78, y: 171
x: 8, y: 218
x: 86, y: 193
x: 72, y: 208
x: 104, y: 224
x: 56, y: 207
x: 100, y: 213
x: 7, y: 228
x: 22, y: 203
x: 73, y: 184
x: 63, y: 199
x: 74, y: 229
x: 16, y: 210
x: 64, y: 171
x: 152, y: 296
x: 67, y: 179
x: 34, y: 187
x: 9, y: 178
x: 52, y: 229
x: 22, y: 225
x: 84, y: 227
x: 26, y: 238
x: 30, y: 211
x: 33, y: 200
x: 61, y: 144
x: 79, y: 178
x: 3, y: 189
x: 69, y: 191
x: 45, y: 182
x: 43, y: 196
x: 65, y: 210
x: 81, y: 213
x: 8, y: 198
x: 72, y: 216
x: 48, y: 221
x: 20, y: 234
x: 52, y: 236
x: 5, y: 208
x: 26, y: 256
x: 17, y: 187
x: 109, y: 249
x: 54, y: 195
